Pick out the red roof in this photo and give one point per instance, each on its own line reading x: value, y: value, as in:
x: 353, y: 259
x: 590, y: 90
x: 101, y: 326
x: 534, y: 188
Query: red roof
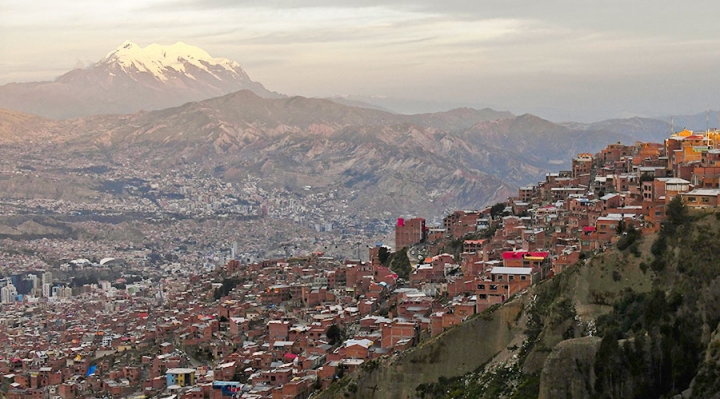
x: 522, y: 254
x: 588, y: 228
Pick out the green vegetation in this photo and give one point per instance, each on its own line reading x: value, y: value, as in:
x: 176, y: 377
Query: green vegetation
x: 383, y: 255
x: 629, y: 332
x: 334, y: 335
x: 400, y: 263
x: 629, y: 239
x: 227, y: 285
x: 654, y: 343
x: 548, y: 316
x: 497, y: 210
x: 501, y: 382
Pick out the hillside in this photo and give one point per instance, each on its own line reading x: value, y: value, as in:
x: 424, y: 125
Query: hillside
x: 526, y: 147
x: 376, y: 160
x: 698, y: 122
x: 641, y: 129
x: 636, y: 323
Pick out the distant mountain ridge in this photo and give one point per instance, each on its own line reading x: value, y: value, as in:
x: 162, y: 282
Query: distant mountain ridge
x: 130, y: 79
x: 641, y: 129
x: 392, y: 162
x: 425, y: 163
x: 697, y: 122
x: 524, y: 148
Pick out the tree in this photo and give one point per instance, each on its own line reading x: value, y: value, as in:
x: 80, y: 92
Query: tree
x: 497, y: 210
x: 620, y: 227
x: 608, y: 366
x: 383, y: 255
x: 677, y: 214
x: 629, y: 237
x: 400, y: 264
x: 334, y: 334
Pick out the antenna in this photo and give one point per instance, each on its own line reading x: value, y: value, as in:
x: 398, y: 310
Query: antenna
x: 672, y: 125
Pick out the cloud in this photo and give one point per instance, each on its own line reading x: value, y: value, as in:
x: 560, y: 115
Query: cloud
x: 508, y: 52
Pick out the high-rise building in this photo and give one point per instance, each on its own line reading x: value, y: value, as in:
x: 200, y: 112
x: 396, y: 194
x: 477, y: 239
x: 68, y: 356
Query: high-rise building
x: 8, y: 294
x: 46, y: 290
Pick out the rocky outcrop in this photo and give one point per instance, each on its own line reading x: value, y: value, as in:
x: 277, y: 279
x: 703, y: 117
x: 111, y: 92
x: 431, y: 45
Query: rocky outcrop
x: 568, y: 370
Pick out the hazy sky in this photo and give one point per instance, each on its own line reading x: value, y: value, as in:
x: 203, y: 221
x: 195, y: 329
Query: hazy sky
x: 581, y: 60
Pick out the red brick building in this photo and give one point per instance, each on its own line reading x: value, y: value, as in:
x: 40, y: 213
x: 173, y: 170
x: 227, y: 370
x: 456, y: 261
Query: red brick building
x: 409, y: 232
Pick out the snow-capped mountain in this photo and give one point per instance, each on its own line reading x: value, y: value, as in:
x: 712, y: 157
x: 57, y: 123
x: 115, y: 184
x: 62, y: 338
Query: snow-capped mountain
x: 132, y: 78
x: 165, y: 62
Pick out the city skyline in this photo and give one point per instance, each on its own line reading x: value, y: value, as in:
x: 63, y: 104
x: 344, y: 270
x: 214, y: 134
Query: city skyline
x: 560, y: 60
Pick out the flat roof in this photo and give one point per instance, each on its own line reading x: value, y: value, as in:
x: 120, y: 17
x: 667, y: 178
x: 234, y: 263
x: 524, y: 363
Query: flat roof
x: 511, y: 270
x: 180, y: 371
x: 704, y: 191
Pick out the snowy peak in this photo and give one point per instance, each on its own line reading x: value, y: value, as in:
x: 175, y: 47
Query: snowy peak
x: 165, y: 61
x: 133, y: 78
x: 128, y: 45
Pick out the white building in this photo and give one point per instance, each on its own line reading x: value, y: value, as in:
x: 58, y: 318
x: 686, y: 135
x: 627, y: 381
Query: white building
x: 8, y: 294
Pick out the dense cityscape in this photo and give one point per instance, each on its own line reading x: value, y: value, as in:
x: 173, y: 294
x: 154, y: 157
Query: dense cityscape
x: 195, y: 312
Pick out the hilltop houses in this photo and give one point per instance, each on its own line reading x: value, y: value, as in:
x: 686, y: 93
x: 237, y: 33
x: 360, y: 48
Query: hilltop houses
x: 281, y: 328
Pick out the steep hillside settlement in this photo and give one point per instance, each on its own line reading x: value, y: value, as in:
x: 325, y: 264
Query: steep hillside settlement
x: 495, y: 302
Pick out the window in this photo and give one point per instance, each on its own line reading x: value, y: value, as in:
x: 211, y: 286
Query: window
x: 511, y: 278
x: 481, y: 286
x: 705, y: 200
x: 483, y: 296
x: 523, y: 278
x: 493, y: 287
x: 499, y: 277
x: 692, y: 199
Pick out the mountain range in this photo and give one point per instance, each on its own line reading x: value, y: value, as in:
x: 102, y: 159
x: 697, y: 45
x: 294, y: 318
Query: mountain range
x: 232, y: 127
x: 700, y: 121
x: 130, y: 79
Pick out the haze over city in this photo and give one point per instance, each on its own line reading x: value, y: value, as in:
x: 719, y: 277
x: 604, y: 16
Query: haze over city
x: 562, y: 60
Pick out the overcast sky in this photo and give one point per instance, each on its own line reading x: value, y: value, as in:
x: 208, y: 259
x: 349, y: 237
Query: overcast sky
x: 563, y: 60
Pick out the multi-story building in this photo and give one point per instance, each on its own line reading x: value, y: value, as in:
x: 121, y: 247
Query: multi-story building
x: 8, y: 294
x: 409, y: 232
